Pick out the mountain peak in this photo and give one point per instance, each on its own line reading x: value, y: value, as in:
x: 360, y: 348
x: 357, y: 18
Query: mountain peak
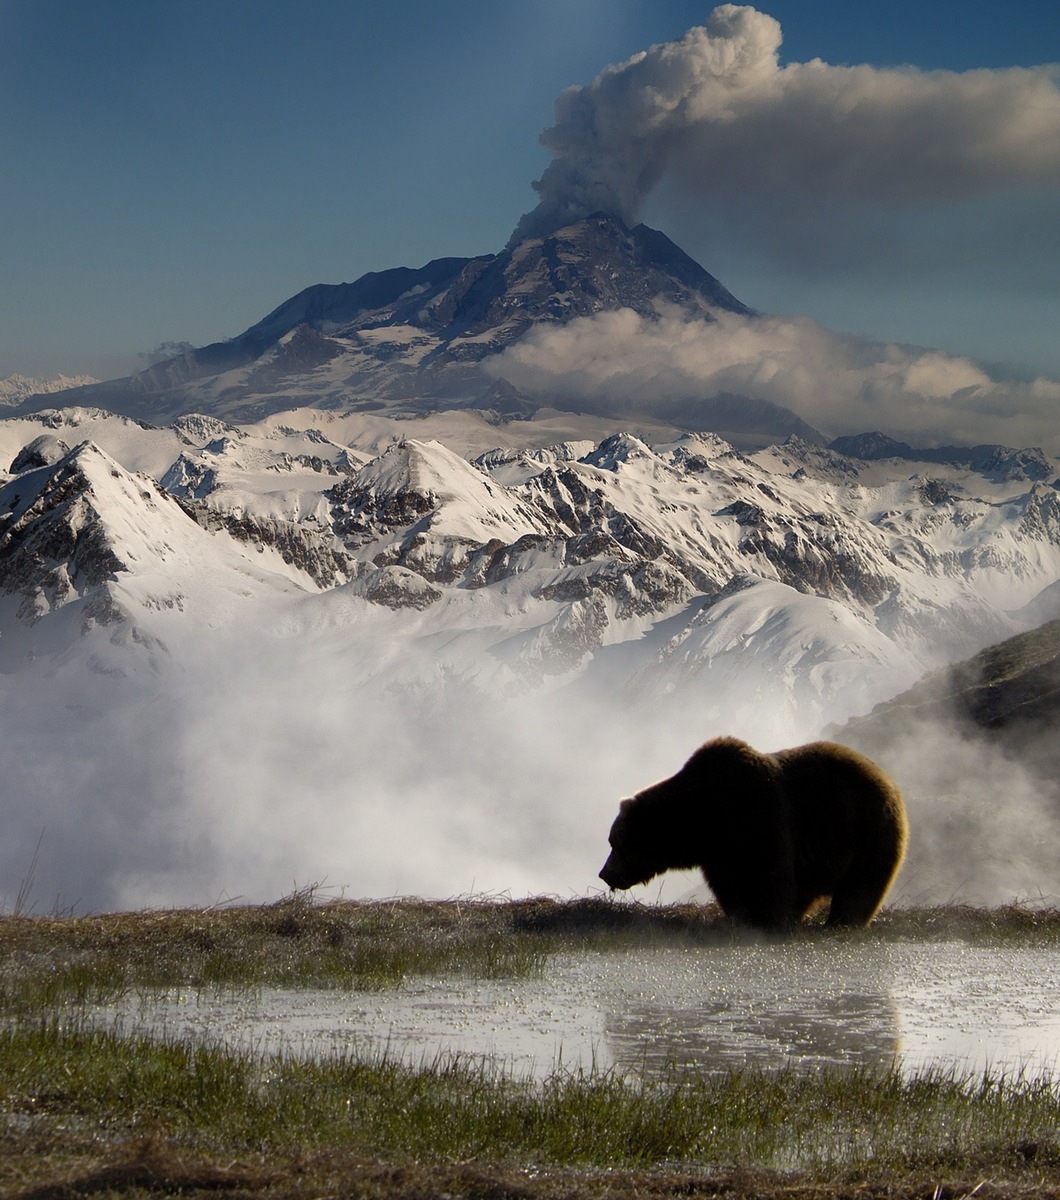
x: 17, y: 388
x: 413, y: 337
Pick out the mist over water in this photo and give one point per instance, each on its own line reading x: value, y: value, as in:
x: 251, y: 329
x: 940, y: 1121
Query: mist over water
x: 260, y: 764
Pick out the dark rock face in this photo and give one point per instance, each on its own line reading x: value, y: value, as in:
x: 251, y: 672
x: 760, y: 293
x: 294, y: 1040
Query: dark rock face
x: 321, y: 559
x: 43, y: 451
x: 360, y: 515
x: 594, y: 266
x: 395, y: 587
x: 1016, y: 682
x: 53, y: 546
x: 589, y: 267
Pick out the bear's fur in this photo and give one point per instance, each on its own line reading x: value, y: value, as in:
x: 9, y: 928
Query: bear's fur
x: 774, y: 834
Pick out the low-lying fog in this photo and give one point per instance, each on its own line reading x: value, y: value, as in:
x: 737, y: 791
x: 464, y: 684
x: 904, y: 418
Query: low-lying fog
x: 262, y: 765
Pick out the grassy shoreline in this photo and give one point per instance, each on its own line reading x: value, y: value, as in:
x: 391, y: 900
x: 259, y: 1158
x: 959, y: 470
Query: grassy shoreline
x: 90, y: 1112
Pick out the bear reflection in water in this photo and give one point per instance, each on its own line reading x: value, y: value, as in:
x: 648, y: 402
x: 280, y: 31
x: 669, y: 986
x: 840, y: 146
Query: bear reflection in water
x: 775, y: 835
x: 811, y: 1030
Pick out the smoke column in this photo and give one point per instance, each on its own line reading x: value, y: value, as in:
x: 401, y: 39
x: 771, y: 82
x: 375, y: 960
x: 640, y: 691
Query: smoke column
x: 805, y: 144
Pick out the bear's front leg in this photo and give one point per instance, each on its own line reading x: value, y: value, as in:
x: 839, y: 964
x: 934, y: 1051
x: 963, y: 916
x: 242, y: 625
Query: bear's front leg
x: 759, y: 894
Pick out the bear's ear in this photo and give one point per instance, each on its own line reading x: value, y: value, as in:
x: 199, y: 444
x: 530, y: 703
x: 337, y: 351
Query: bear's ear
x: 625, y: 805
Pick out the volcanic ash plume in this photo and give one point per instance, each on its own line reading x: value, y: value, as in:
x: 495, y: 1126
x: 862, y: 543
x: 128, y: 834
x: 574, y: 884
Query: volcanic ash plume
x: 613, y: 139
x: 733, y: 133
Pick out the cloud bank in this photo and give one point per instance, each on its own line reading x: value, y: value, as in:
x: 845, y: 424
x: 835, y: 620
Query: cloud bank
x: 622, y: 363
x: 800, y: 152
x: 210, y: 781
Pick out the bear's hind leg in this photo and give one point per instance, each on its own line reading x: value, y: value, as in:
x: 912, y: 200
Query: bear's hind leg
x: 857, y: 900
x: 850, y: 914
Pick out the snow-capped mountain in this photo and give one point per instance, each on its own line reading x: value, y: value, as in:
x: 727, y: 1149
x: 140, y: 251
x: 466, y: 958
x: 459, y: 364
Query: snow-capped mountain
x: 334, y: 577
x: 16, y: 389
x: 414, y: 340
x: 91, y: 551
x: 302, y: 647
x: 677, y: 568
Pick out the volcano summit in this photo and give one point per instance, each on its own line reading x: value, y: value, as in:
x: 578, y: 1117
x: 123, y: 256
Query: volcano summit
x: 417, y: 340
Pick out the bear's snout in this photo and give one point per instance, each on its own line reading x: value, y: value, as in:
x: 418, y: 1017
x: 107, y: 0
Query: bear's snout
x: 617, y: 875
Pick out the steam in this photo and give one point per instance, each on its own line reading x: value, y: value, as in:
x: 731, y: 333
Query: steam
x: 809, y: 164
x: 614, y: 139
x: 262, y: 763
x: 164, y: 351
x: 984, y: 814
x: 620, y: 363
x: 803, y: 153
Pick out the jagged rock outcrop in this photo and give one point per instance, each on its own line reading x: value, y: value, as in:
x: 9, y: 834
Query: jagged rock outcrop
x: 54, y: 544
x: 320, y: 557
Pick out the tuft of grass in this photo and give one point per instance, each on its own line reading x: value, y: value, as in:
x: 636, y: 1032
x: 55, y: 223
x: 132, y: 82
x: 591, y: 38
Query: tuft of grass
x: 222, y: 1101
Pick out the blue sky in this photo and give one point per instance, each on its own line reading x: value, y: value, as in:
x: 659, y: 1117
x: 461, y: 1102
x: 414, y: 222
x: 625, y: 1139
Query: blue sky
x: 174, y: 170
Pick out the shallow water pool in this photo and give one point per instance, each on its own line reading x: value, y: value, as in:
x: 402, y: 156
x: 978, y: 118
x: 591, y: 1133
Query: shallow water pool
x: 806, y: 1003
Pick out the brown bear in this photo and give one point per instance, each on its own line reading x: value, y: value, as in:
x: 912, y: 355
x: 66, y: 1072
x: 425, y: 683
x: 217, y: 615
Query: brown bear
x: 773, y: 834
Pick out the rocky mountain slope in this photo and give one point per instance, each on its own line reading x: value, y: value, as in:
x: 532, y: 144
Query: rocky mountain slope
x: 413, y: 340
x: 976, y: 746
x: 1010, y: 691
x: 680, y: 568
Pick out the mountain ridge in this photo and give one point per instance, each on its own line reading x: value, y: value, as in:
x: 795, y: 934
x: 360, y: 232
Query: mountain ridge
x: 361, y: 625
x: 16, y: 389
x: 412, y: 339
x: 845, y: 580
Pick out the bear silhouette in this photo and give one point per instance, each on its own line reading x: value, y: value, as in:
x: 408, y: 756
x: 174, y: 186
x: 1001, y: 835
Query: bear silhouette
x: 774, y: 834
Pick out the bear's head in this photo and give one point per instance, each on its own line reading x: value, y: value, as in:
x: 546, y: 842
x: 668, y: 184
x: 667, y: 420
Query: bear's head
x: 637, y: 854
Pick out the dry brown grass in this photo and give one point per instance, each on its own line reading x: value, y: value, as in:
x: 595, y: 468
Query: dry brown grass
x: 305, y: 936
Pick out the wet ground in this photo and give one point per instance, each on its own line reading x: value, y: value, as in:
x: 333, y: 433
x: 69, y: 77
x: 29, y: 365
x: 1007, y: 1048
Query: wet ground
x: 807, y: 1003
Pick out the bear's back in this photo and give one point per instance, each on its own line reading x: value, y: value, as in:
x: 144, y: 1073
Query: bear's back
x: 841, y: 804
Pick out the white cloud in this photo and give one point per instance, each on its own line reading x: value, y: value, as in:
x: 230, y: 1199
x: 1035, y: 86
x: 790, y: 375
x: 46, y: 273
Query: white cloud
x: 622, y: 363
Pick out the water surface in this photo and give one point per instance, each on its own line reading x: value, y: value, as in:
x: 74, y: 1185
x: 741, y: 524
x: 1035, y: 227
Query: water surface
x: 812, y: 1004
